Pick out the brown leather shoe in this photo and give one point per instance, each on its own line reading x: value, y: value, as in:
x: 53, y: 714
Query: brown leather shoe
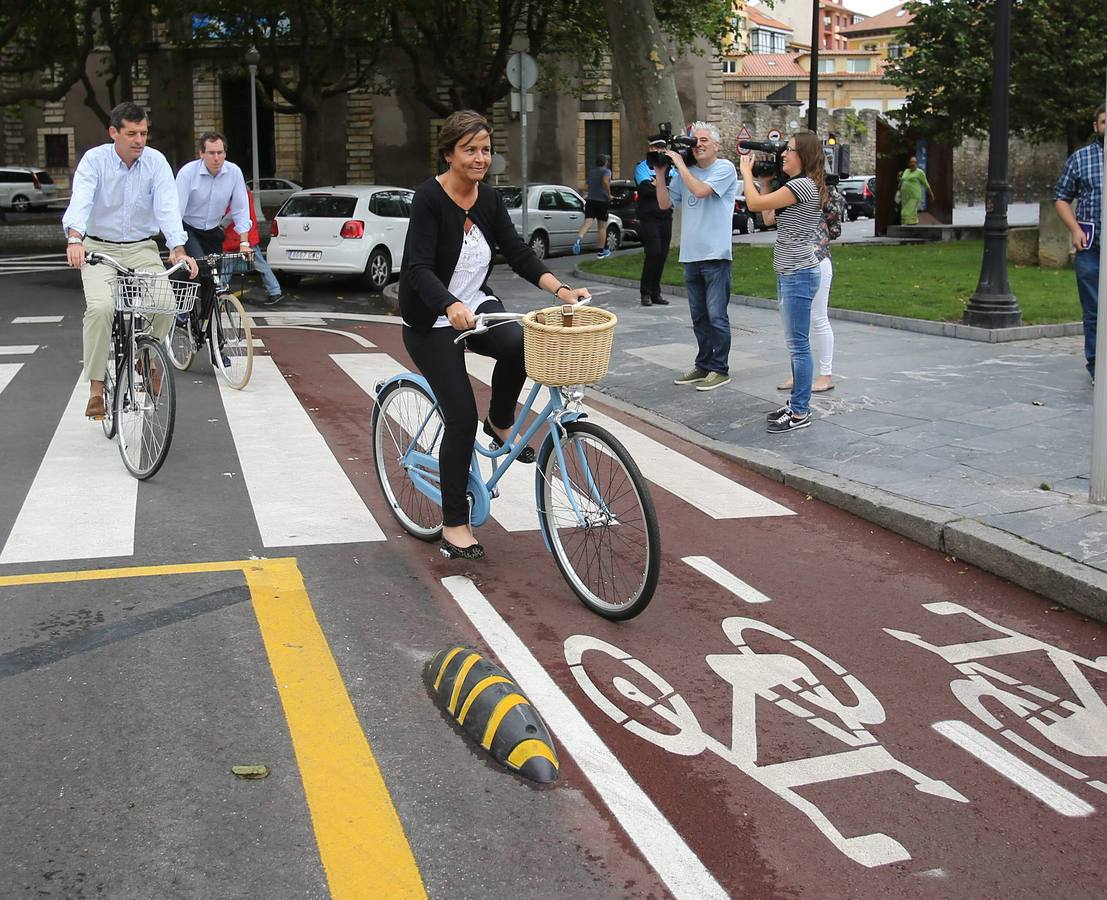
x: 155, y: 377
x: 95, y: 408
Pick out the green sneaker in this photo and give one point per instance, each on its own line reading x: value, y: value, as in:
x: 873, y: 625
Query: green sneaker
x: 712, y: 381
x: 691, y: 377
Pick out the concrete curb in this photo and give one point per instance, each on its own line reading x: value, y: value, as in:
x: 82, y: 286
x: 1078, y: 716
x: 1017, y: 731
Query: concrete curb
x: 919, y: 326
x: 1053, y: 575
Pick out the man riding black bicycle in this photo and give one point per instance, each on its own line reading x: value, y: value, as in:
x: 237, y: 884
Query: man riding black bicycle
x: 123, y: 194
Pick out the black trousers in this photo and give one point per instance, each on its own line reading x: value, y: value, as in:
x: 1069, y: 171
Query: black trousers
x: 442, y: 363
x: 203, y: 242
x: 656, y: 234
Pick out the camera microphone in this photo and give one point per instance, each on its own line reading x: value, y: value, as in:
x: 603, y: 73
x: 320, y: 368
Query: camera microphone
x: 775, y: 147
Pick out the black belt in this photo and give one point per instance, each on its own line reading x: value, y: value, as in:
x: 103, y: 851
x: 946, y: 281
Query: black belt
x: 93, y: 237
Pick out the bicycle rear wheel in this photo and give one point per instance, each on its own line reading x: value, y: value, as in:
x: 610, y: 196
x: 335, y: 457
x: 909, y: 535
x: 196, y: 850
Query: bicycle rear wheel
x: 145, y: 409
x: 609, y: 553
x: 180, y: 345
x: 407, y: 414
x: 232, y: 342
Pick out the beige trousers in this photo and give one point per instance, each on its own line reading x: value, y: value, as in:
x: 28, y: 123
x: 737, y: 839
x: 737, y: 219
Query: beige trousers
x: 99, y: 307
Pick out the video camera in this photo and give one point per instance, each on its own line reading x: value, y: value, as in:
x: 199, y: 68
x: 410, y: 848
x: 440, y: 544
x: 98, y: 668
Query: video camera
x: 681, y: 143
x: 836, y: 153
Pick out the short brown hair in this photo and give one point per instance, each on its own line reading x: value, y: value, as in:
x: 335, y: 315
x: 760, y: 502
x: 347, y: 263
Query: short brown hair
x: 209, y: 136
x: 458, y: 126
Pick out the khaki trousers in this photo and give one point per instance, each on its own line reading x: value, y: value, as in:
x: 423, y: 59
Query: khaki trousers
x: 99, y: 306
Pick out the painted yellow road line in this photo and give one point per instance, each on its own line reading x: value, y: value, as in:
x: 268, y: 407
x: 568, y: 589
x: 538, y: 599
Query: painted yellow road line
x: 137, y: 572
x: 361, y: 839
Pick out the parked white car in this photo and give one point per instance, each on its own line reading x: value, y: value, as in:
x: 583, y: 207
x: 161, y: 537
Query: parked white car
x: 349, y: 229
x: 555, y: 213
x: 23, y: 187
x: 274, y: 191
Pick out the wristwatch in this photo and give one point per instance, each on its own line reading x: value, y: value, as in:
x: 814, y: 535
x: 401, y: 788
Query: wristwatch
x: 73, y: 239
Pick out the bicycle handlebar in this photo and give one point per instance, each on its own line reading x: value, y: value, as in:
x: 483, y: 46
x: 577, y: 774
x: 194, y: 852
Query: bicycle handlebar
x: 96, y: 257
x: 498, y: 318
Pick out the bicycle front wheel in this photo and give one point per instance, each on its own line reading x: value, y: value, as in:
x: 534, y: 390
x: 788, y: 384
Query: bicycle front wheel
x: 404, y: 417
x: 179, y: 344
x: 145, y: 409
x: 599, y: 518
x: 232, y: 342
x: 110, y: 376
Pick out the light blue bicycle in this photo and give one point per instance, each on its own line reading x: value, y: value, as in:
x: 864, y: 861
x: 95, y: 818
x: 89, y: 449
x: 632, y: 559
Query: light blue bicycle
x: 594, y: 508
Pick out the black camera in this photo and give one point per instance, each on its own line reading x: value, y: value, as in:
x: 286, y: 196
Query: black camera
x: 681, y: 143
x: 765, y: 168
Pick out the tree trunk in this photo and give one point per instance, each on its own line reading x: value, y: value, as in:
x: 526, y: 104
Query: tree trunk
x: 640, y: 56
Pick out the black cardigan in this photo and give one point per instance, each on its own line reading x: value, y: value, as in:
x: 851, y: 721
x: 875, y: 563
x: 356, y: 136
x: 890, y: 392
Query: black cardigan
x: 433, y: 245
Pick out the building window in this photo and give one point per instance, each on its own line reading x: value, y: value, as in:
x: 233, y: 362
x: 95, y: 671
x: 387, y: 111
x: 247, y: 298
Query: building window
x: 730, y: 66
x: 597, y: 140
x: 858, y: 65
x: 57, y: 151
x: 868, y: 46
x: 896, y: 51
x: 826, y: 66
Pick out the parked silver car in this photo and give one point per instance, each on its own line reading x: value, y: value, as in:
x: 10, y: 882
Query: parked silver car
x: 22, y: 187
x: 555, y: 213
x: 274, y: 191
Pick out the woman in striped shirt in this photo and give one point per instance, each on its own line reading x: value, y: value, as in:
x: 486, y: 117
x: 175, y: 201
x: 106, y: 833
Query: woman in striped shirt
x: 799, y: 205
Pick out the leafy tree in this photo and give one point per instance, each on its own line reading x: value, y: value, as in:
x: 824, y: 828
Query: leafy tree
x: 1057, y: 62
x: 311, y: 51
x: 37, y: 38
x: 124, y: 29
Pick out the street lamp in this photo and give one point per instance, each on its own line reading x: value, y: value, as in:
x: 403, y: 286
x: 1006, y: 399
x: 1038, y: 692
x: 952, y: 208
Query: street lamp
x: 252, y: 60
x: 993, y: 305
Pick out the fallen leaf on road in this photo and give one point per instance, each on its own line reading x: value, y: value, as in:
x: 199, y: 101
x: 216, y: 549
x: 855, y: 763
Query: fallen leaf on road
x: 252, y: 773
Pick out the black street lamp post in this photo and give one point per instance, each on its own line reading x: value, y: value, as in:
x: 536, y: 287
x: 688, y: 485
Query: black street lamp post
x: 252, y: 60
x: 993, y: 305
x: 813, y: 78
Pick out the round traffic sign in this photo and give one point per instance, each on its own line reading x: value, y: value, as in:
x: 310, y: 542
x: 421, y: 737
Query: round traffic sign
x: 774, y: 134
x: 522, y: 71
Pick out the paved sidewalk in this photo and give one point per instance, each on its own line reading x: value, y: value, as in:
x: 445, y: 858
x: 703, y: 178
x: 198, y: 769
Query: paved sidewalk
x: 981, y: 450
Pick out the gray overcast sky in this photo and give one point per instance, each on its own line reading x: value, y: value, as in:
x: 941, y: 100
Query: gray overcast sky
x: 871, y: 7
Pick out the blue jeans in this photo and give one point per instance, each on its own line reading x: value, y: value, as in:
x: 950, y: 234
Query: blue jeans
x: 708, y: 285
x: 1086, y: 265
x: 268, y: 279
x: 795, y: 291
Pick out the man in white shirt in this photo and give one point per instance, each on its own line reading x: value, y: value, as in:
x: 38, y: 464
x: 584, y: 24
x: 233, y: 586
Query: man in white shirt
x: 123, y: 194
x: 206, y: 187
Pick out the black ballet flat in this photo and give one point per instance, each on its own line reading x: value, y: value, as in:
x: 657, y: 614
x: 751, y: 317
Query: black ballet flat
x: 526, y: 455
x: 452, y: 551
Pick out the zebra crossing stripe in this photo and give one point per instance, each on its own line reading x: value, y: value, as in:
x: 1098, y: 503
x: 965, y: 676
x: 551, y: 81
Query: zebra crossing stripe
x: 299, y: 492
x: 57, y: 522
x: 8, y: 371
x: 37, y: 320
x: 696, y: 484
x: 18, y: 350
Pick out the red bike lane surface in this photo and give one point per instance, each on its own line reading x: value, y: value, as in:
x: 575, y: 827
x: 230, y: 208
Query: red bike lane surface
x: 829, y: 740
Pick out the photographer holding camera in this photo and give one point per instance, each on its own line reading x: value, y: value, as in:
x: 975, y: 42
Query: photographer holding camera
x: 705, y: 191
x: 654, y: 223
x: 799, y: 204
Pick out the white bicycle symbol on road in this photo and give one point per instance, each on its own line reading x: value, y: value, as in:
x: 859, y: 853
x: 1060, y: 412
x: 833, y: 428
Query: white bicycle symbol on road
x: 787, y: 682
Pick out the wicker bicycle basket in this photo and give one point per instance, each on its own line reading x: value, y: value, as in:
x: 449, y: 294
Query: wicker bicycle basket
x: 560, y: 355
x: 153, y: 294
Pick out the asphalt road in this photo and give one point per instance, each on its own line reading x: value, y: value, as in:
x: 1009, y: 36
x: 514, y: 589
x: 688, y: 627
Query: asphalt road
x: 810, y: 706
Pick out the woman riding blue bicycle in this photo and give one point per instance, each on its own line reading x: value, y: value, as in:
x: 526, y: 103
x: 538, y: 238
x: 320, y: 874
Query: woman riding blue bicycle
x: 457, y: 226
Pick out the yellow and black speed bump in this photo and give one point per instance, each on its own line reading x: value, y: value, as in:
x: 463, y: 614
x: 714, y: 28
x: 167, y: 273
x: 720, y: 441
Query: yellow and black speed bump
x: 494, y: 712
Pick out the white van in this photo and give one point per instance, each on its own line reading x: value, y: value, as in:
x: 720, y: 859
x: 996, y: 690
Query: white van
x: 22, y: 187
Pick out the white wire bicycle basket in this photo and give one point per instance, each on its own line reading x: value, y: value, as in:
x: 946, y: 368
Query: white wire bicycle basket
x: 153, y: 294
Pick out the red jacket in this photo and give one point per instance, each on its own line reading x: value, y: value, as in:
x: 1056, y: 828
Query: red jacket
x: 231, y: 241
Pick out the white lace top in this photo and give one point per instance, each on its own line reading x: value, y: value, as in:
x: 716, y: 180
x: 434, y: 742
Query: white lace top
x: 469, y: 273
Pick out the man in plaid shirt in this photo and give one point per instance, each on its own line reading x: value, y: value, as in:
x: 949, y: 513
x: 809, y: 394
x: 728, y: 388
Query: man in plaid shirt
x: 1082, y: 181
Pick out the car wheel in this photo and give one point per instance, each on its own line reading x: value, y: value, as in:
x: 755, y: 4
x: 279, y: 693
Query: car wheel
x: 378, y: 270
x: 851, y: 215
x: 614, y: 239
x: 21, y: 203
x: 540, y: 244
x: 749, y: 226
x: 288, y: 279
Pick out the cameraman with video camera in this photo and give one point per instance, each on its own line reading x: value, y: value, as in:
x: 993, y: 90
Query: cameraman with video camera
x: 655, y: 225
x: 705, y: 191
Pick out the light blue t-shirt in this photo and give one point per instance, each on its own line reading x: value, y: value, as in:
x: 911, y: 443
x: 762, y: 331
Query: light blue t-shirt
x: 707, y: 224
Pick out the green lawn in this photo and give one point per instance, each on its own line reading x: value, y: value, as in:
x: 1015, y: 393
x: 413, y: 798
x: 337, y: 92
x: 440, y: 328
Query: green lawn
x: 921, y: 281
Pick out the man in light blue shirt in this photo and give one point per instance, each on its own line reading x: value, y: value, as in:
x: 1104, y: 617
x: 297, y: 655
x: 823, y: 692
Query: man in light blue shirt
x: 705, y: 193
x: 123, y: 195
x: 206, y: 187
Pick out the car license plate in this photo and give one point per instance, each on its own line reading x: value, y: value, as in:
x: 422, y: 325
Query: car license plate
x: 305, y: 254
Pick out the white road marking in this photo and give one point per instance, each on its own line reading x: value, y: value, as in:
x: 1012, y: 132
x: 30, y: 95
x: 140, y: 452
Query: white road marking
x: 18, y: 350
x: 36, y: 320
x: 1048, y: 791
x: 8, y: 371
x: 361, y: 340
x: 82, y: 502
x: 696, y: 484
x: 299, y: 492
x: 731, y: 582
x: 662, y: 846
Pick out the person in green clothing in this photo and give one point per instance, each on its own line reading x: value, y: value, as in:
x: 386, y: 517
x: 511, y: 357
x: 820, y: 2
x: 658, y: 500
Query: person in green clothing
x: 912, y: 183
